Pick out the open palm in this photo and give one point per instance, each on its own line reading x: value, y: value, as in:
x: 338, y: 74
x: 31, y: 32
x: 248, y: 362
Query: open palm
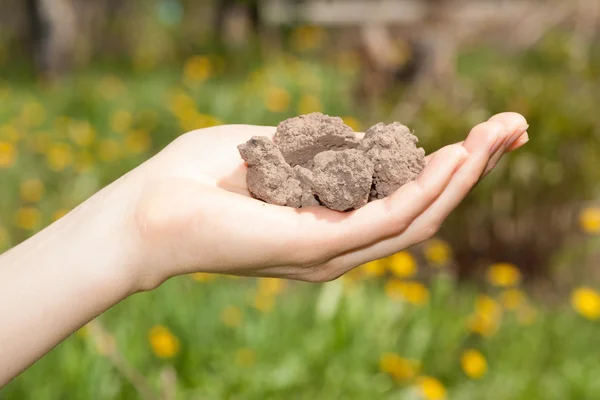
x: 196, y: 214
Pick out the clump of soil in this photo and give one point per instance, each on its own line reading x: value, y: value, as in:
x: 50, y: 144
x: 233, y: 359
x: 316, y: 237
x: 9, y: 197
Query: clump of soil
x: 316, y: 159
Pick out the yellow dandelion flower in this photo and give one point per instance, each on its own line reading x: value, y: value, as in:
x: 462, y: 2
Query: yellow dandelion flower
x: 31, y: 190
x: 483, y: 325
x: 264, y: 303
x: 138, y: 141
x: 504, y: 275
x: 197, y: 69
x: 485, y: 305
x: 589, y: 219
x: 412, y: 292
x: 203, y: 277
x: 58, y: 214
x: 586, y: 301
x: 271, y: 286
x: 512, y: 299
x: 10, y: 133
x: 431, y: 388
x: 28, y: 218
x: 353, y: 123
x: 33, y: 114
x: 84, y: 161
x: 245, y: 357
x: 59, y: 156
x: 277, y: 99
x: 438, y: 252
x: 164, y: 344
x: 309, y: 104
x: 81, y: 132
x: 8, y: 154
x: 231, y: 316
x: 473, y: 364
x: 402, y: 264
x: 374, y: 268
x: 399, y: 368
x: 307, y: 37
x: 109, y: 150
x: 120, y: 121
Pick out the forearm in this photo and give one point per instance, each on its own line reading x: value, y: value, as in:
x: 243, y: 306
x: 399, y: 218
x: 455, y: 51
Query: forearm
x: 55, y: 282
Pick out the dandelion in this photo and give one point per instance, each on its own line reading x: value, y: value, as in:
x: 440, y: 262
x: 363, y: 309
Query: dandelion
x: 353, y: 123
x: 59, y: 156
x: 164, y: 344
x: 431, y: 388
x: 374, y: 268
x: 81, y: 132
x: 197, y: 69
x: 438, y: 252
x: 109, y: 150
x: 138, y: 141
x: 277, y: 99
x: 245, y: 357
x: 486, y: 319
x: 120, y: 121
x: 31, y: 190
x: 586, y: 301
x: 399, y: 368
x: 28, y: 218
x: 512, y: 299
x: 203, y: 277
x: 8, y: 154
x: 503, y: 275
x: 403, y: 264
x: 309, y: 104
x: 589, y: 219
x: 473, y: 364
x: 305, y: 38
x: 271, y: 286
x: 231, y: 316
x: 412, y: 292
x: 264, y: 303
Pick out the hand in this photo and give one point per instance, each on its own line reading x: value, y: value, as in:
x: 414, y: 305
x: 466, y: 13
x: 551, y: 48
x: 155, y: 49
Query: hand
x: 195, y: 212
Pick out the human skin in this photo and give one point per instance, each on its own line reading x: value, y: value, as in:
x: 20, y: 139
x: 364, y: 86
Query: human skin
x: 188, y: 210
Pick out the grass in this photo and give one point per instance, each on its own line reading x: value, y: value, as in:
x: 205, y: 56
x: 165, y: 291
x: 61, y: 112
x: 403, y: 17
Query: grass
x: 401, y: 328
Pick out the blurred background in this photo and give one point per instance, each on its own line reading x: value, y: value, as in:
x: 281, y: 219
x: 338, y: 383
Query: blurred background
x: 503, y: 304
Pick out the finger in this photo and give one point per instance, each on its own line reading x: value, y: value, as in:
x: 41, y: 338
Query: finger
x: 430, y: 156
x: 330, y: 237
x: 516, y: 136
x: 481, y: 141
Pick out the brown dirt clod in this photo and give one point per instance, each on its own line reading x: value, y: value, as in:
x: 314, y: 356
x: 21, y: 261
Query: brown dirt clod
x: 342, y: 179
x: 395, y: 156
x: 316, y: 159
x: 303, y: 137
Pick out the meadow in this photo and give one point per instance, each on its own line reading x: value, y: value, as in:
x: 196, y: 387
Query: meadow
x: 405, y: 327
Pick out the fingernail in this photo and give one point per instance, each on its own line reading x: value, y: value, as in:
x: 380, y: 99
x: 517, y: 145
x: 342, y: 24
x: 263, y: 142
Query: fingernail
x: 523, y: 139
